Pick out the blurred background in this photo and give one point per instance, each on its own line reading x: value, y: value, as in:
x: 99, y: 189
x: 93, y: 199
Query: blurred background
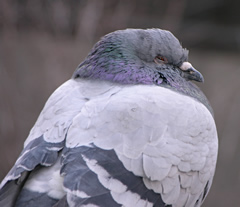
x: 42, y: 42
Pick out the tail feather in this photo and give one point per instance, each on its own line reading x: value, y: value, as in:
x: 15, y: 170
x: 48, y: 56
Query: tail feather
x: 10, y: 191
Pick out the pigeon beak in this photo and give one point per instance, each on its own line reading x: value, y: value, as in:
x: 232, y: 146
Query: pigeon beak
x: 190, y: 73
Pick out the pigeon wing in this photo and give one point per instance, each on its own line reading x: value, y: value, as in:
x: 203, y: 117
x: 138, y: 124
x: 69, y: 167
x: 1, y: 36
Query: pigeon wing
x: 105, y: 144
x: 142, y: 146
x: 45, y: 140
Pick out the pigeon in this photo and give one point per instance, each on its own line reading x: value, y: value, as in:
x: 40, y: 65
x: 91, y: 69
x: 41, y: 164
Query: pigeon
x: 130, y: 128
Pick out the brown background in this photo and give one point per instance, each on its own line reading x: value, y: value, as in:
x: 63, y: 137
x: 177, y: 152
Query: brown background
x: 42, y: 42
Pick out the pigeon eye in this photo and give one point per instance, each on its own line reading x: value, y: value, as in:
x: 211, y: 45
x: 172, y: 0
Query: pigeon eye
x: 160, y: 59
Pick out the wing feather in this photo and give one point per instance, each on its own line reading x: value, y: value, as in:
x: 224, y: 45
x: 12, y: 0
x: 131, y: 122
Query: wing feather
x: 146, y: 143
x: 164, y: 137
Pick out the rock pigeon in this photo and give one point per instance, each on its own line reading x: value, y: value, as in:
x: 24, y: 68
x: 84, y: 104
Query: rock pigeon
x: 128, y: 129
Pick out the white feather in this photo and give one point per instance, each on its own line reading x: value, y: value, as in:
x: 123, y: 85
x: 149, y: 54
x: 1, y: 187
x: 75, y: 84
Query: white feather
x: 47, y: 180
x: 155, y: 132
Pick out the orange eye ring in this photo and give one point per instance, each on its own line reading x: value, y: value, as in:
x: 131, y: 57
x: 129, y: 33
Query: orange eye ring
x: 160, y: 59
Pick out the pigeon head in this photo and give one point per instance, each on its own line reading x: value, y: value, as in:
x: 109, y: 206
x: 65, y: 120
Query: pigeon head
x: 136, y: 56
